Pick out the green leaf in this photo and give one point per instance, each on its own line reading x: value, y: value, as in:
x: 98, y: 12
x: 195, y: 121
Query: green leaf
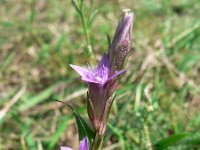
x: 40, y: 97
x: 193, y: 141
x: 83, y: 129
x: 119, y: 133
x: 4, y: 64
x: 43, y: 53
x: 75, y: 6
x: 92, y: 17
x: 60, y: 43
x: 108, y: 41
x: 169, y: 141
x: 6, y: 23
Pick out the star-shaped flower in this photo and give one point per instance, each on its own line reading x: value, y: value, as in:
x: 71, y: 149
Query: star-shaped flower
x: 99, y: 75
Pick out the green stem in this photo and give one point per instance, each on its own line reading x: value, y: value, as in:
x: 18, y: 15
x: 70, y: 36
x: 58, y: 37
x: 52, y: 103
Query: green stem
x: 97, y: 143
x: 85, y: 30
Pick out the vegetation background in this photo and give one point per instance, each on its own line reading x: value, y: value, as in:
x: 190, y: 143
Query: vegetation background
x: 159, y: 95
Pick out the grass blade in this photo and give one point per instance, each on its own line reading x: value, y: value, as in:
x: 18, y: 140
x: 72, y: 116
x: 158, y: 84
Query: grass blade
x: 169, y: 141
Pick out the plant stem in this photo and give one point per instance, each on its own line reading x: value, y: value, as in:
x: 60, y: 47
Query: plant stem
x: 85, y: 30
x: 97, y: 143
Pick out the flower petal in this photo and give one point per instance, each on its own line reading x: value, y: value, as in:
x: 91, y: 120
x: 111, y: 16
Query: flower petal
x: 84, y: 144
x: 82, y: 71
x: 116, y: 74
x: 65, y: 148
x: 104, y: 62
x: 90, y: 80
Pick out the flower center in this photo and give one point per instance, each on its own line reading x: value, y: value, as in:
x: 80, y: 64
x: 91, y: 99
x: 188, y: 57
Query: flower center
x: 99, y: 78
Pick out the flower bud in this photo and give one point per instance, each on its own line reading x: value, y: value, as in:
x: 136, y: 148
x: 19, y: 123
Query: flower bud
x: 121, y: 43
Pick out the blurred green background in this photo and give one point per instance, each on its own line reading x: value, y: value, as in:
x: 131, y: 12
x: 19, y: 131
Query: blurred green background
x: 159, y: 95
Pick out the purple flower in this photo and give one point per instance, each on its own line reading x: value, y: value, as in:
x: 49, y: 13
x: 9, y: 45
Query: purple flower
x: 83, y: 145
x: 99, y: 75
x: 100, y: 89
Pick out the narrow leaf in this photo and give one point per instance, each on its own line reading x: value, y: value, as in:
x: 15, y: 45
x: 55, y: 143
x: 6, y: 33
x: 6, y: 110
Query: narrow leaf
x: 169, y: 141
x: 75, y: 6
x: 92, y: 17
x: 60, y: 43
x: 108, y: 41
x: 40, y: 97
x: 83, y: 129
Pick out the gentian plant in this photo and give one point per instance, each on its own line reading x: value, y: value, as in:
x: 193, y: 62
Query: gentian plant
x: 103, y: 80
x: 100, y: 88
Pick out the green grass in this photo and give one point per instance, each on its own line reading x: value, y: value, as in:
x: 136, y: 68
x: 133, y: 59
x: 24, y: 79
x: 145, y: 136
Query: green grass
x: 158, y: 99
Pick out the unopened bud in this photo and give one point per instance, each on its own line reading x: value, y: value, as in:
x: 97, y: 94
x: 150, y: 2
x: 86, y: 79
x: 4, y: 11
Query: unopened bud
x: 121, y: 43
